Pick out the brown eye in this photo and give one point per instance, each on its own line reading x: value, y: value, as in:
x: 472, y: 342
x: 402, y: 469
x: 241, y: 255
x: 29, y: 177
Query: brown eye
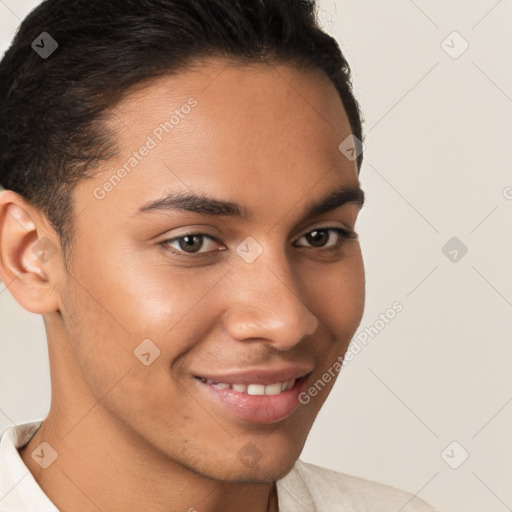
x: 319, y: 238
x: 200, y: 244
x: 189, y: 244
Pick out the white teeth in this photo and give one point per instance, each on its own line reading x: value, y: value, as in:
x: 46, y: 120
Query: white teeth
x: 255, y: 389
x: 273, y: 389
x: 290, y: 384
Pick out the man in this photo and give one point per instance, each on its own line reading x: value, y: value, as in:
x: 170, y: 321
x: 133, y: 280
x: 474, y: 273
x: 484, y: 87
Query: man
x: 181, y: 196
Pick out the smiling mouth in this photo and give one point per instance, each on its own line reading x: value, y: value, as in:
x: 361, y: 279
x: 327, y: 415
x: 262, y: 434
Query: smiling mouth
x: 255, y: 389
x: 258, y: 395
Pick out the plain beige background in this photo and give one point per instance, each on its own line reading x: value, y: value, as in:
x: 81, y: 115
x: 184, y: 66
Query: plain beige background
x: 432, y: 386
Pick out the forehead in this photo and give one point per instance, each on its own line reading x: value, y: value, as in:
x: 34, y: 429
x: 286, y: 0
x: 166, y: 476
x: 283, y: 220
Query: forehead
x: 244, y: 132
x: 229, y: 83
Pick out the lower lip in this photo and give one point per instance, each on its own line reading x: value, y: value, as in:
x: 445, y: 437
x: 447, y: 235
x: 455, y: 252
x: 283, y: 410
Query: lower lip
x: 256, y: 408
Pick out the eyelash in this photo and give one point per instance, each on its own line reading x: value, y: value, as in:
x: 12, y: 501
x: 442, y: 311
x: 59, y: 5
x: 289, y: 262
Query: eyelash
x: 345, y: 236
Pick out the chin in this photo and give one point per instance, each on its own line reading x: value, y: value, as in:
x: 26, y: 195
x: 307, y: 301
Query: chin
x: 264, y: 465
x: 249, y: 464
x: 268, y: 473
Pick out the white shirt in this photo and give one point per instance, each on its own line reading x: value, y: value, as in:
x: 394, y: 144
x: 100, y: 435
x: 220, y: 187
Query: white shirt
x: 307, y: 488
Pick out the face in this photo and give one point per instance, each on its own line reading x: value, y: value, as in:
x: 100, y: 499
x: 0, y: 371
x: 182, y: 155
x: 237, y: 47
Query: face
x: 181, y: 313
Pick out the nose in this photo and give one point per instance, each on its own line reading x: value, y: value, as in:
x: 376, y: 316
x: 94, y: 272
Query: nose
x: 267, y: 305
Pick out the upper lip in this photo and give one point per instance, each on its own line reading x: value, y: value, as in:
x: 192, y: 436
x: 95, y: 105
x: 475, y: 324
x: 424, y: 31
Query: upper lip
x: 263, y: 375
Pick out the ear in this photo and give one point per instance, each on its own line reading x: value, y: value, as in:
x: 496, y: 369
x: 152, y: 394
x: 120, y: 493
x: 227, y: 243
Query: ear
x: 29, y: 255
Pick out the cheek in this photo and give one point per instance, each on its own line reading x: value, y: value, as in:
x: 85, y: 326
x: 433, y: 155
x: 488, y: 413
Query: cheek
x: 173, y: 306
x: 103, y: 348
x: 122, y: 306
x: 137, y: 297
x: 339, y: 292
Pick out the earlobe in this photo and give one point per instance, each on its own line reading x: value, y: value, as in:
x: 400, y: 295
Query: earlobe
x: 27, y: 255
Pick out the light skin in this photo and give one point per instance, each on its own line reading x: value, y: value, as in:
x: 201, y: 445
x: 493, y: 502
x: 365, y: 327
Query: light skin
x: 133, y: 437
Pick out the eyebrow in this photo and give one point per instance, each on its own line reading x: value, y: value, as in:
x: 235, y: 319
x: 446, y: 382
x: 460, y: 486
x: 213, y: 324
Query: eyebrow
x: 205, y: 205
